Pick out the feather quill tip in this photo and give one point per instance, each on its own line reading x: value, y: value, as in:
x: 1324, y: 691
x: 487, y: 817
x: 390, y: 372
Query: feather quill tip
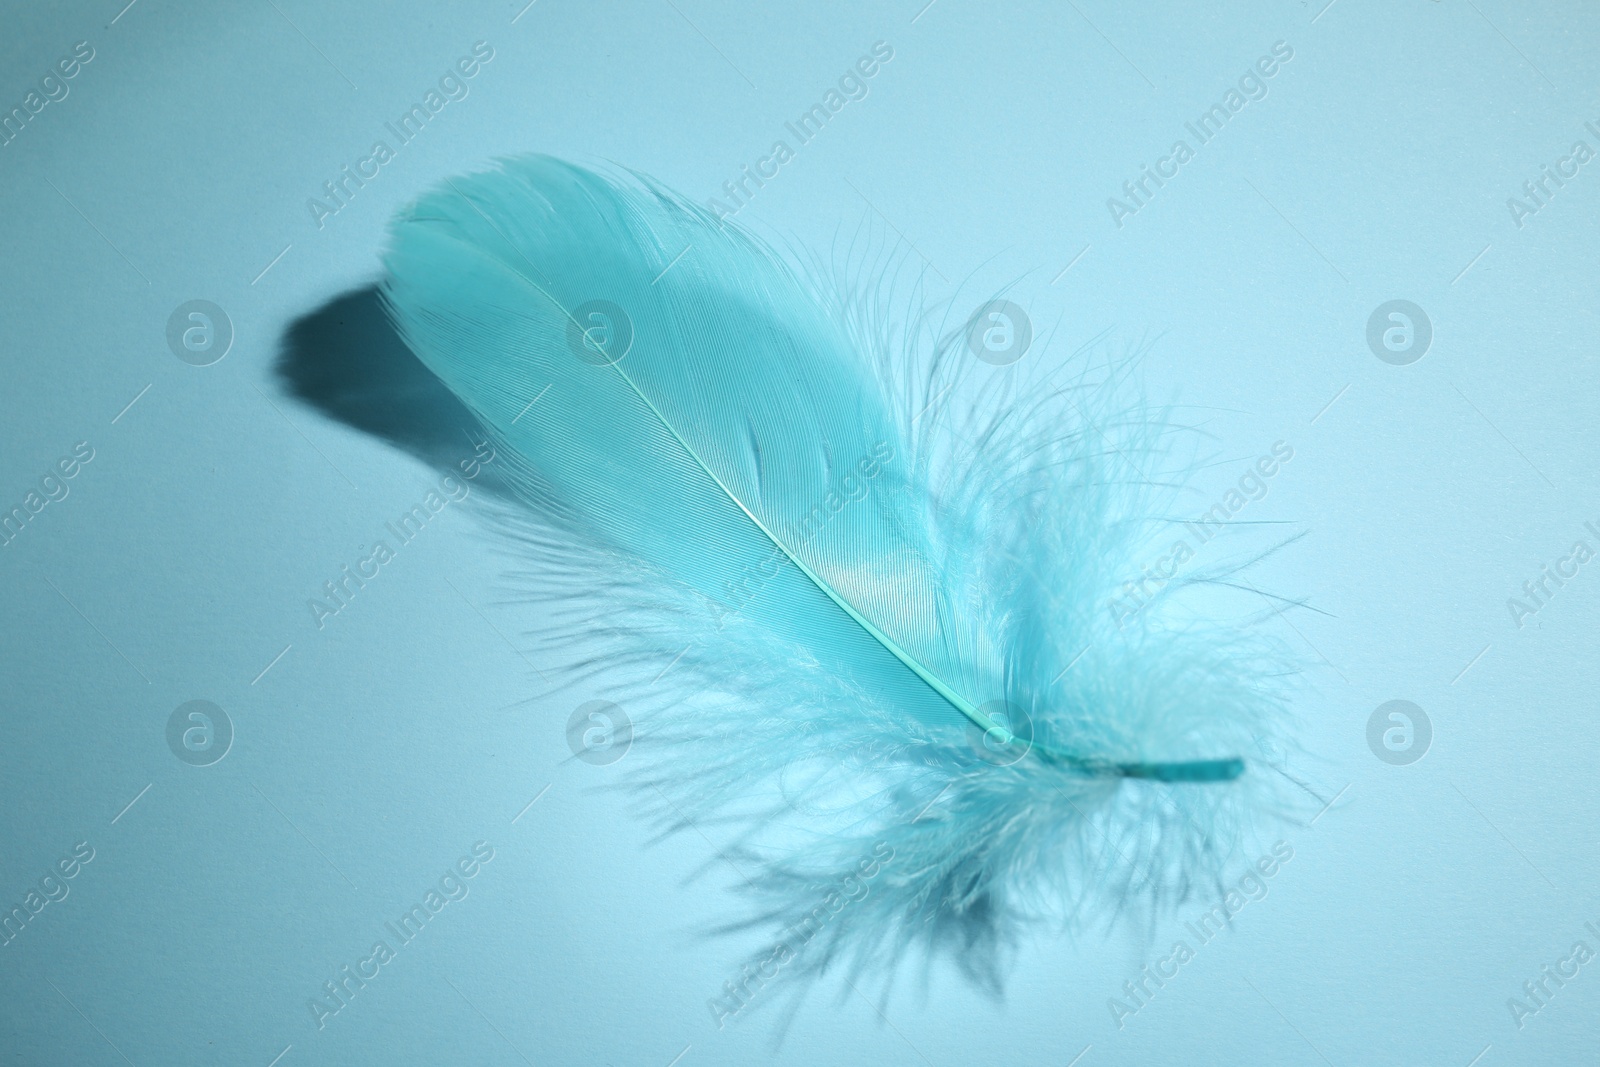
x: 1207, y: 770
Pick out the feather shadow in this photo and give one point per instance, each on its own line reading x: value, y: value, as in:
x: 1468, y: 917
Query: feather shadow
x: 345, y: 360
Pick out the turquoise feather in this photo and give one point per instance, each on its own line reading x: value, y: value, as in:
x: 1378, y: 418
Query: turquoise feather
x: 671, y: 394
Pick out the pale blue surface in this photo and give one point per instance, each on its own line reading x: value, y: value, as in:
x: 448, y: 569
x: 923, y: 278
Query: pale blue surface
x: 378, y: 749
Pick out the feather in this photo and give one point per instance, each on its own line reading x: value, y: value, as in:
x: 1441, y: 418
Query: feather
x: 897, y: 602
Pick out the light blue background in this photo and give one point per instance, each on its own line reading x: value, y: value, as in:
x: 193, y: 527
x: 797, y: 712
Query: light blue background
x: 378, y: 749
